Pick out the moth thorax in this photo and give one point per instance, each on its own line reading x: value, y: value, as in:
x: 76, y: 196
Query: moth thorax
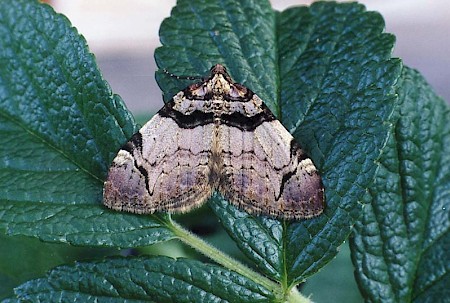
x: 220, y: 86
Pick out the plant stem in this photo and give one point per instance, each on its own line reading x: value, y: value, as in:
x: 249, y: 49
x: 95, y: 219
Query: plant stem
x: 218, y: 256
x: 221, y: 258
x: 296, y: 297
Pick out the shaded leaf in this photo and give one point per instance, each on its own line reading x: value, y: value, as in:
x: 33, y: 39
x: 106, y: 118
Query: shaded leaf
x: 159, y: 279
x: 400, y: 247
x: 60, y: 127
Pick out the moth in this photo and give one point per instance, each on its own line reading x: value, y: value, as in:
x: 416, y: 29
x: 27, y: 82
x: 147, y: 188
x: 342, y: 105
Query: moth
x: 215, y: 135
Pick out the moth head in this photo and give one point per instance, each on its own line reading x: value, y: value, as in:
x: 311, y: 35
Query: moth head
x: 218, y: 86
x: 220, y: 83
x: 218, y: 69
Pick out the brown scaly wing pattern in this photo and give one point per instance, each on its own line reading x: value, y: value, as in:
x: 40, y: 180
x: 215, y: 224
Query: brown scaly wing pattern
x: 215, y: 135
x: 265, y: 172
x: 162, y: 168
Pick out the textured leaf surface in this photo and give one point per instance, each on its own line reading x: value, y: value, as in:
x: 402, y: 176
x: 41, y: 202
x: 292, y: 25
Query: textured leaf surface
x: 326, y: 72
x: 401, y: 246
x: 158, y: 279
x: 60, y: 127
x: 342, y: 121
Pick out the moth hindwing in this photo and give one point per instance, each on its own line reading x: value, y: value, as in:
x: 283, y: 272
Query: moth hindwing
x: 215, y: 135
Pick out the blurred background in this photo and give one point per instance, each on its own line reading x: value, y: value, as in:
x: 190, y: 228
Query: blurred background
x: 123, y: 36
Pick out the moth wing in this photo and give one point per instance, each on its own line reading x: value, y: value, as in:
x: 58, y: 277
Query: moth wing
x: 162, y: 168
x: 266, y: 172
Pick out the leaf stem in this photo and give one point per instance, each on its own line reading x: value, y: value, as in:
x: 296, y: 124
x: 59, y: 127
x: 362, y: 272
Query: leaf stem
x: 296, y: 297
x: 223, y: 259
x: 218, y: 256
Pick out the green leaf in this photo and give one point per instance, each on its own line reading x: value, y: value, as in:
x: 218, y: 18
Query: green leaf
x: 60, y: 127
x: 83, y: 225
x: 343, y: 122
x: 326, y: 71
x: 159, y: 279
x: 400, y: 247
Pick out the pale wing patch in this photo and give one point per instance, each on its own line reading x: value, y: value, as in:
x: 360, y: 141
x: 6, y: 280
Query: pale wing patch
x: 169, y: 173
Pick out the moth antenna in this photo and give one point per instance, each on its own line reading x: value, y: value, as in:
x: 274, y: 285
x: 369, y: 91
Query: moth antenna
x: 179, y: 77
